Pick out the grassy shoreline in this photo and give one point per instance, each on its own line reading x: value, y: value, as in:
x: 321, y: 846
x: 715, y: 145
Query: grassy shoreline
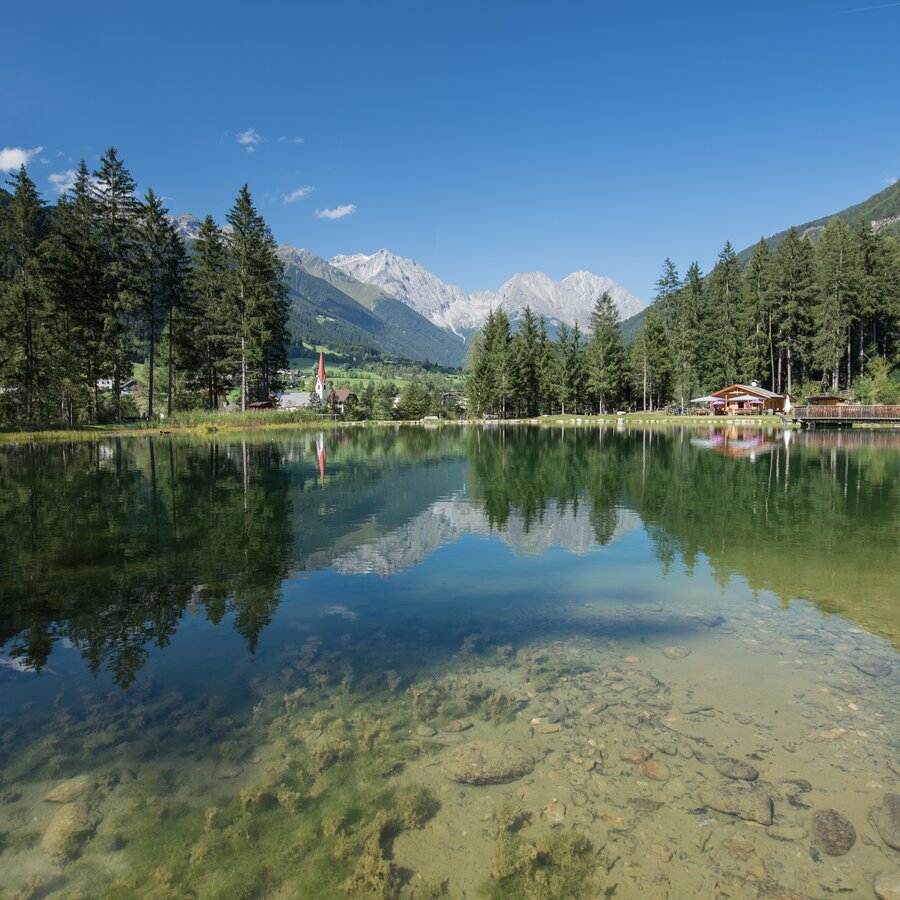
x: 207, y: 424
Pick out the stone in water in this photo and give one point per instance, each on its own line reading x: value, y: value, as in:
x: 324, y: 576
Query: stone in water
x: 746, y: 801
x: 488, y: 762
x: 736, y: 769
x: 834, y: 832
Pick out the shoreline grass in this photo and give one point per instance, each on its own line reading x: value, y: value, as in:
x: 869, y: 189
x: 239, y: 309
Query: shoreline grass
x: 207, y: 423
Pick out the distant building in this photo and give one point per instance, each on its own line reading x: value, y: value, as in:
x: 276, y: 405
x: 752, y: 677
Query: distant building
x: 294, y: 400
x: 749, y: 399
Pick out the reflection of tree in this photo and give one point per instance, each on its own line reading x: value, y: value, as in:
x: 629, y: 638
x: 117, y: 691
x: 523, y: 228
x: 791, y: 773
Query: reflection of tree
x: 526, y: 469
x: 108, y: 544
x: 816, y: 520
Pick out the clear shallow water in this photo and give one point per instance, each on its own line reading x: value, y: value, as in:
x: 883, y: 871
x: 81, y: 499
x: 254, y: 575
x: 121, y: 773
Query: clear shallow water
x: 243, y: 667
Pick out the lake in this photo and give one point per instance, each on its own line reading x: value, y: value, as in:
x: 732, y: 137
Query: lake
x: 451, y: 661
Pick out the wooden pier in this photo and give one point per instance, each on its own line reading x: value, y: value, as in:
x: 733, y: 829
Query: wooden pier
x: 810, y: 416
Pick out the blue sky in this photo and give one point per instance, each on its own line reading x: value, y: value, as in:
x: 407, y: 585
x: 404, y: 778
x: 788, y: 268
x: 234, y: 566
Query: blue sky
x: 480, y: 138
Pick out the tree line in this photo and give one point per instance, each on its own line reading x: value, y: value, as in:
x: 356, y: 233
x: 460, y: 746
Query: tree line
x: 102, y: 281
x: 804, y: 318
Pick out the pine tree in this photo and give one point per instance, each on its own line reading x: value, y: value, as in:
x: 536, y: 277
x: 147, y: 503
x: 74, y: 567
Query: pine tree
x: 794, y: 297
x: 257, y: 299
x: 667, y: 286
x: 150, y: 281
x: 689, y: 303
x: 525, y: 365
x: 758, y: 357
x: 575, y: 369
x: 207, y: 292
x: 605, y: 354
x: 724, y: 332
x: 23, y: 300
x: 837, y: 295
x: 75, y: 276
x: 652, y: 361
x: 116, y: 210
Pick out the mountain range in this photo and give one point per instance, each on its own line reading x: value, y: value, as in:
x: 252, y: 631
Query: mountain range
x: 570, y: 300
x: 393, y: 305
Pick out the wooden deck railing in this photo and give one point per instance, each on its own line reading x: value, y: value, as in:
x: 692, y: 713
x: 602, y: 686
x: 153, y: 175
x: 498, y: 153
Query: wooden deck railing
x: 850, y: 413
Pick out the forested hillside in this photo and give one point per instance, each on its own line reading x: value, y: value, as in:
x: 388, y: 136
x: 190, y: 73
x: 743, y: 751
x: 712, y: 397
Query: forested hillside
x: 806, y: 318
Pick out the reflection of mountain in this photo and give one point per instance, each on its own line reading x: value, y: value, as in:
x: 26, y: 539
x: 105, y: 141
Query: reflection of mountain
x: 108, y: 545
x: 449, y: 520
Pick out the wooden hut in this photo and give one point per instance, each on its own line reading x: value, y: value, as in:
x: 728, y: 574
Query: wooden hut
x: 749, y: 400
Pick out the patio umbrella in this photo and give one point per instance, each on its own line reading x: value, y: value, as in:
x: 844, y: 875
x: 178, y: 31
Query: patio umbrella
x: 704, y: 399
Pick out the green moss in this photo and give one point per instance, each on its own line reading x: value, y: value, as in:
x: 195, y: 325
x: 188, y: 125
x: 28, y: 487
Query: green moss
x: 559, y: 867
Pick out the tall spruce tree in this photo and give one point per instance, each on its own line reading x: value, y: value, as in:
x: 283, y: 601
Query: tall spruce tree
x: 795, y: 288
x: 688, y: 335
x: 116, y: 211
x: 257, y: 299
x: 23, y: 301
x: 207, y: 293
x: 75, y: 277
x: 758, y: 357
x: 667, y: 286
x: 724, y: 323
x: 605, y: 354
x: 835, y: 311
x: 525, y: 357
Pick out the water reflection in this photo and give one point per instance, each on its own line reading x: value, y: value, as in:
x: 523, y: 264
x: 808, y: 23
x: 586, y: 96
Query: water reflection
x: 108, y: 546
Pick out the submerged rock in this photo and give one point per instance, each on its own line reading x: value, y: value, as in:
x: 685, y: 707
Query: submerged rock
x: 555, y: 813
x: 872, y: 666
x: 425, y: 731
x: 736, y: 769
x: 636, y: 755
x: 887, y: 820
x: 746, y: 801
x: 67, y: 831
x: 676, y: 652
x: 488, y: 762
x: 887, y: 886
x: 656, y: 770
x: 833, y: 832
x: 71, y: 790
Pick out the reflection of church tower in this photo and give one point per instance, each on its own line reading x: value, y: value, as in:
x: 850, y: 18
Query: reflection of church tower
x: 320, y: 453
x: 321, y: 388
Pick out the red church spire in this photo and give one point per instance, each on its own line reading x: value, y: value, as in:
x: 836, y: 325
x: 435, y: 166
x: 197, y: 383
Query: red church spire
x: 320, y: 378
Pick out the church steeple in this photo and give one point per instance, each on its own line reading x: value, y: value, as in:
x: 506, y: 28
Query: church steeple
x: 321, y: 390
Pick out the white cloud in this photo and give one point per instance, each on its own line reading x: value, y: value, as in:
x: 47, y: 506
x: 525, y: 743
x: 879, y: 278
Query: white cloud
x: 248, y: 139
x: 290, y: 140
x: 338, y: 212
x: 890, y: 180
x: 62, y: 181
x: 12, y: 158
x: 299, y: 194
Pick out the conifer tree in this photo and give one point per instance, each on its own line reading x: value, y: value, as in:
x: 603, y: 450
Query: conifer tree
x: 525, y: 389
x: 116, y: 210
x: 75, y: 276
x: 151, y: 280
x: 257, y: 299
x: 207, y: 292
x: 605, y: 354
x: 794, y: 297
x: 837, y: 295
x: 667, y: 286
x: 724, y: 332
x: 758, y: 357
x: 652, y: 361
x: 687, y: 336
x: 23, y: 313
